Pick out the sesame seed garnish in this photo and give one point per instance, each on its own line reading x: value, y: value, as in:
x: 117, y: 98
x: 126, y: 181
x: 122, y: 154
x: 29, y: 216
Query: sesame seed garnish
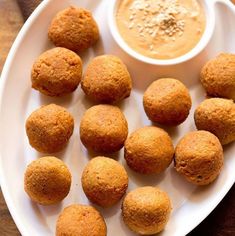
x: 130, y: 26
x: 131, y: 17
x: 158, y: 19
x: 161, y: 29
x: 161, y: 15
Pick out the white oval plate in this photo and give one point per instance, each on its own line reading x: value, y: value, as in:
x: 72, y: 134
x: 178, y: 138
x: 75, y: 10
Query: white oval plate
x: 190, y: 204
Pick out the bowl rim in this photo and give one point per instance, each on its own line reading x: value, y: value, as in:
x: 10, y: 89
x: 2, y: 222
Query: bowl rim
x: 208, y: 7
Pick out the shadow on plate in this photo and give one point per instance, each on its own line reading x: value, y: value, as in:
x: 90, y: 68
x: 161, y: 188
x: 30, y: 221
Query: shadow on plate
x: 41, y: 211
x: 181, y: 185
x: 144, y: 180
x: 124, y: 227
x: 173, y: 131
x: 96, y: 50
x: 91, y: 154
x: 64, y: 101
x: 109, y: 211
x: 60, y: 154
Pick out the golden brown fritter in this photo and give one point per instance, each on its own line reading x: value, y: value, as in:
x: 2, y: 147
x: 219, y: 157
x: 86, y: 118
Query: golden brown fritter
x: 47, y: 180
x: 106, y: 80
x: 103, y: 129
x: 218, y: 76
x: 49, y: 128
x: 146, y: 210
x: 104, y: 181
x: 199, y: 157
x: 73, y: 28
x: 167, y: 101
x: 217, y: 115
x: 80, y: 220
x: 56, y: 72
x: 149, y: 150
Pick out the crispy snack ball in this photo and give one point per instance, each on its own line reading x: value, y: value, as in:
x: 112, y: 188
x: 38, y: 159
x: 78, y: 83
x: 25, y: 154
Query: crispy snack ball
x: 199, y: 157
x: 146, y: 210
x: 167, y: 101
x: 47, y: 180
x: 73, y: 28
x: 217, y: 115
x: 56, y: 72
x: 149, y: 150
x: 106, y: 80
x: 49, y: 128
x: 80, y: 220
x: 103, y: 129
x: 104, y: 181
x: 218, y: 76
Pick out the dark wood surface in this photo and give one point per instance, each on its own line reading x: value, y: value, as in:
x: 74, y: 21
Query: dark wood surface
x: 221, y: 222
x: 10, y: 24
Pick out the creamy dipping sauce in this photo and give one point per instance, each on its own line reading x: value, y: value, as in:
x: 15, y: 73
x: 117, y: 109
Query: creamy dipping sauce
x: 161, y: 29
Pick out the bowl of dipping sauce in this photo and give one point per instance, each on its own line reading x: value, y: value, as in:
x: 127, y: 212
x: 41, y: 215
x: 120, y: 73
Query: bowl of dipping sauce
x: 162, y: 32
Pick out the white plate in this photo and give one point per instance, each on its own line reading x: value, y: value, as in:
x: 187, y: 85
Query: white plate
x: 190, y: 204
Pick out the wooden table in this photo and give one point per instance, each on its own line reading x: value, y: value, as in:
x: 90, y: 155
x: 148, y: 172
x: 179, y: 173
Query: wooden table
x: 221, y: 222
x: 10, y: 24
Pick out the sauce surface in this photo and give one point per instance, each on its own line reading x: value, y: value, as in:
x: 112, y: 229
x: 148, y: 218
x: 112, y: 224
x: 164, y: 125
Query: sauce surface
x: 161, y: 29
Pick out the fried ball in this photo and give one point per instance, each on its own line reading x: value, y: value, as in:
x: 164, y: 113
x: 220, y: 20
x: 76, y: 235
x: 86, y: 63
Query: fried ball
x: 103, y: 129
x: 106, y: 80
x: 199, y: 157
x: 217, y: 115
x: 80, y: 220
x: 73, y: 28
x: 146, y: 210
x: 167, y: 101
x: 149, y: 150
x: 218, y: 76
x: 104, y: 181
x: 56, y: 72
x: 49, y: 128
x: 47, y: 180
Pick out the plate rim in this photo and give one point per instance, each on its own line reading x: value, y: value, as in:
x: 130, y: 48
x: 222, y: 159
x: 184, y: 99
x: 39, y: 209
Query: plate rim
x: 4, y: 77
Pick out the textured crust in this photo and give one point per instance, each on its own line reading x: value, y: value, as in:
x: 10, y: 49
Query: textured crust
x: 149, y: 150
x: 103, y: 129
x: 56, y: 72
x: 199, y: 157
x: 146, y: 210
x: 217, y: 115
x: 73, y: 28
x: 47, y: 180
x: 106, y: 80
x: 167, y: 101
x: 218, y: 76
x: 49, y: 128
x: 104, y: 181
x: 80, y: 220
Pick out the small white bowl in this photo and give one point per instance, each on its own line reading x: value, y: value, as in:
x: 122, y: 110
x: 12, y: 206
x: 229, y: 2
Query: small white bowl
x: 208, y: 6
